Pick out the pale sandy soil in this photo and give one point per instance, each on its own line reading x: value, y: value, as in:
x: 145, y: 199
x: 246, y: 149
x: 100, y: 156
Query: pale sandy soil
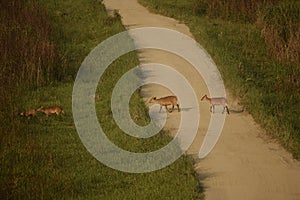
x: 244, y: 164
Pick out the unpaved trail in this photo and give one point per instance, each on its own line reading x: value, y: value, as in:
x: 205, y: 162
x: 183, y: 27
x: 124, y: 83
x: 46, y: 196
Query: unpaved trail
x: 244, y: 164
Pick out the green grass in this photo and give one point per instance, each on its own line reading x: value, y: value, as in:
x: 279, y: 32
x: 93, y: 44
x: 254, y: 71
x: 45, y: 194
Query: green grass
x: 267, y: 86
x: 45, y: 159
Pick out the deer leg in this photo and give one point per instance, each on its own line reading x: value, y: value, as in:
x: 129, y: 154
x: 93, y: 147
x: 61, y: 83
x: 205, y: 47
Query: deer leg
x: 225, y: 108
x: 178, y: 107
x: 168, y: 109
x: 212, y: 108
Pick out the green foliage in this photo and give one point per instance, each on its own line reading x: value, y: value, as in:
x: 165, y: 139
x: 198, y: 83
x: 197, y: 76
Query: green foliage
x: 233, y: 10
x: 44, y: 158
x: 268, y: 87
x: 175, y: 8
x: 280, y: 20
x: 78, y: 29
x: 201, y: 7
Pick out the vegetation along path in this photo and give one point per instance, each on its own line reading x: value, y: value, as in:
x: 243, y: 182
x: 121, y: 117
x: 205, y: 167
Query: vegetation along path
x: 244, y: 163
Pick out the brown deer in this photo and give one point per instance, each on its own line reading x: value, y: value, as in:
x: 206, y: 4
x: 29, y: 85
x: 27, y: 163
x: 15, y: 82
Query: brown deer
x: 51, y: 110
x: 29, y: 113
x: 216, y: 101
x: 165, y: 101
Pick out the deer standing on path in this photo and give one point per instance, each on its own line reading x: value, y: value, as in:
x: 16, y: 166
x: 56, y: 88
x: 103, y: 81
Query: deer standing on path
x: 216, y: 101
x: 165, y: 101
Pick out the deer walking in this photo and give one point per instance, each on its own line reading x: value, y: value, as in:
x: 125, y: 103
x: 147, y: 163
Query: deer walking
x: 51, y: 110
x: 216, y: 101
x: 29, y: 113
x: 165, y: 101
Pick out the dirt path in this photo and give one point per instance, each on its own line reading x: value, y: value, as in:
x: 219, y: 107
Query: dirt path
x: 244, y: 164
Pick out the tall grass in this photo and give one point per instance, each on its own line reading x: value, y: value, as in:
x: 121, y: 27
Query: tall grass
x: 280, y: 19
x: 257, y: 58
x: 234, y: 10
x: 28, y: 55
x: 281, y: 30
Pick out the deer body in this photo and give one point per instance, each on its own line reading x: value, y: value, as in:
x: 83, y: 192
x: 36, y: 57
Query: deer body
x: 166, y: 101
x: 216, y: 101
x: 28, y: 113
x: 51, y: 110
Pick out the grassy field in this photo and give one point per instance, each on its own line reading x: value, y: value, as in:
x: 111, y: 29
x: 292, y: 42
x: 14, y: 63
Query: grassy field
x: 45, y: 159
x: 255, y: 45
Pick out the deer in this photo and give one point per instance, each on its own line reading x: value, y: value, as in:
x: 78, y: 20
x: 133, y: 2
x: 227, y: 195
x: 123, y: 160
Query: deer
x: 165, y: 101
x: 29, y: 113
x: 51, y: 110
x: 216, y: 101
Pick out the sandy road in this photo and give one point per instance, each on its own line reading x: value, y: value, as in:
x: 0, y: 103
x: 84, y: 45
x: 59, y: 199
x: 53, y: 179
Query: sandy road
x: 244, y: 164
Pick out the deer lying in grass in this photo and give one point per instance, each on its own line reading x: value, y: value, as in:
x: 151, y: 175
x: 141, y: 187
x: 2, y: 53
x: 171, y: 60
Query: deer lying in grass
x: 216, y: 101
x: 165, y: 101
x: 51, y: 110
x: 29, y: 113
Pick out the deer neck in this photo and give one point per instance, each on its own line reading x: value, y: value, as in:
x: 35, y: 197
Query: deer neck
x: 207, y: 98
